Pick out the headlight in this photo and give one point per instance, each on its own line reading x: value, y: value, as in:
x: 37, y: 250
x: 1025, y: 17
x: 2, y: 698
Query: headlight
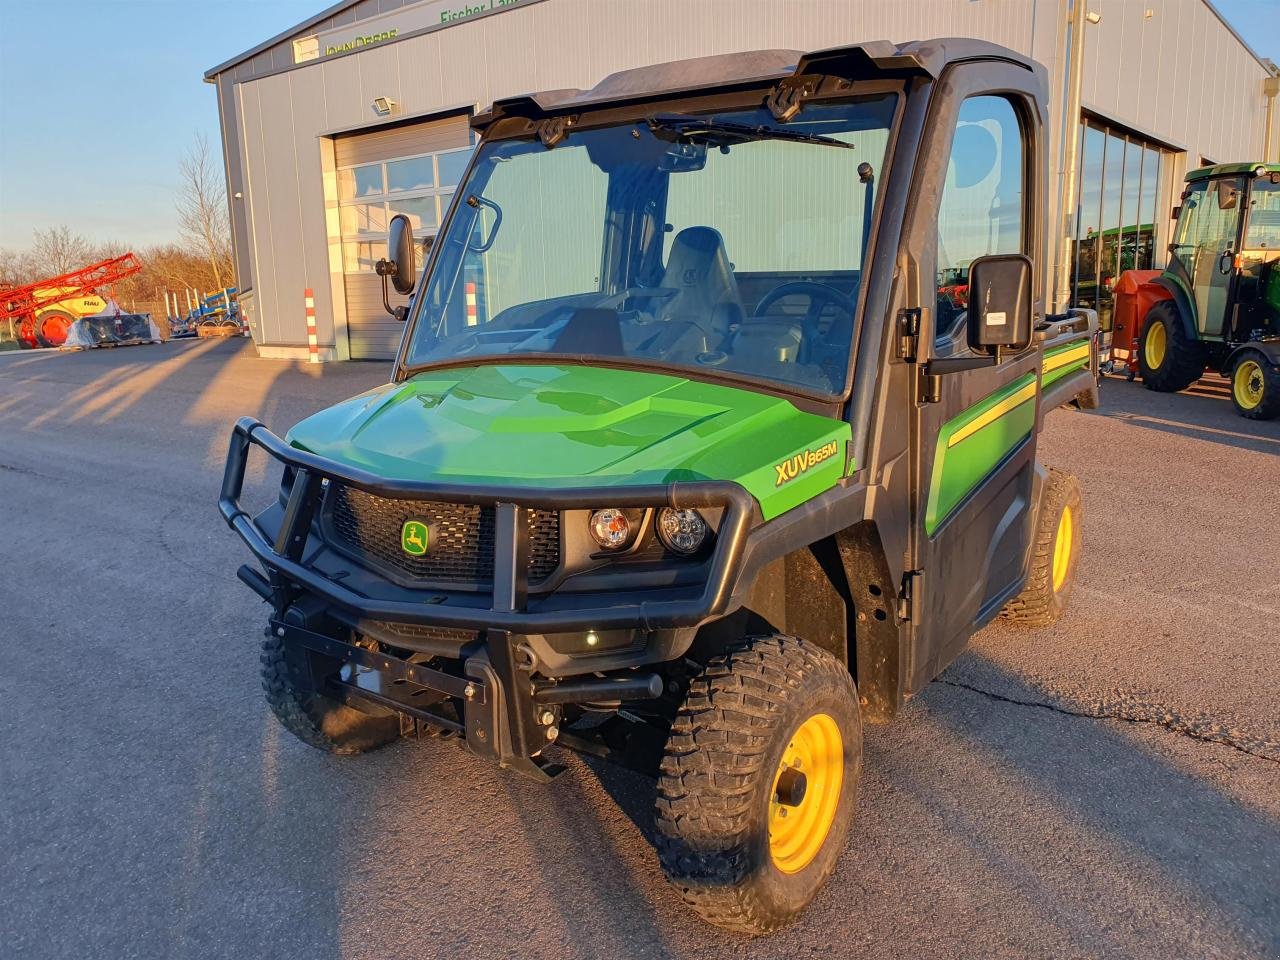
x: 681, y: 531
x: 610, y: 528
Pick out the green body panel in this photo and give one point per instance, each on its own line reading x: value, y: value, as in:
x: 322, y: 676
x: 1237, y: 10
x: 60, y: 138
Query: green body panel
x: 549, y: 426
x: 1055, y: 370
x: 1231, y: 169
x: 961, y: 462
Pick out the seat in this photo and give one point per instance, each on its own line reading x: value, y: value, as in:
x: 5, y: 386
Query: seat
x: 698, y: 268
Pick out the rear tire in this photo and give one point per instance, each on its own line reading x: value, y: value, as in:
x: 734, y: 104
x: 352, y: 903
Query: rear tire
x: 1255, y: 387
x: 1043, y: 600
x: 759, y: 782
x: 315, y: 719
x: 1168, y: 359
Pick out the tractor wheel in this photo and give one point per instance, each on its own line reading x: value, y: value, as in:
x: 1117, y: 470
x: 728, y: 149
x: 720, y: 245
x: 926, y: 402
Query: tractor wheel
x: 1169, y: 360
x: 1255, y: 387
x: 315, y: 719
x: 1053, y: 565
x: 759, y: 782
x: 52, y: 326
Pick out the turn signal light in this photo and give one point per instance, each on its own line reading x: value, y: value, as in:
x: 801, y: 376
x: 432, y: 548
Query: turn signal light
x: 610, y: 528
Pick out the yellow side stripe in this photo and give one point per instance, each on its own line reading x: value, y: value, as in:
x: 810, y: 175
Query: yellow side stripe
x: 995, y: 413
x: 1074, y: 355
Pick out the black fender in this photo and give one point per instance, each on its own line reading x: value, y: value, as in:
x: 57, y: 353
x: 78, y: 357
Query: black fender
x: 1186, y: 312
x: 1270, y: 349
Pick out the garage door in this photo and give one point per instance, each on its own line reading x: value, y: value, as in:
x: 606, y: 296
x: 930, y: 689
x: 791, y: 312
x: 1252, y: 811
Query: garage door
x: 410, y: 169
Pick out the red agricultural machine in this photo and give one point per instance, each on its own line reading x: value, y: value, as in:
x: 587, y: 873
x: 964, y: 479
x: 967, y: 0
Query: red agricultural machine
x: 46, y: 313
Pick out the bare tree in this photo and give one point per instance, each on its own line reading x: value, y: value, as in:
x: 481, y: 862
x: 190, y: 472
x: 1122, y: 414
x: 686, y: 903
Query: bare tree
x: 16, y: 268
x: 202, y: 209
x: 58, y: 250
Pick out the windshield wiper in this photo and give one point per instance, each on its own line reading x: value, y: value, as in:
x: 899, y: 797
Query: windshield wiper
x: 685, y: 126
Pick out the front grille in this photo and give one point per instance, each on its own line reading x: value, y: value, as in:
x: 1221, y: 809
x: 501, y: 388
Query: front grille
x: 461, y: 541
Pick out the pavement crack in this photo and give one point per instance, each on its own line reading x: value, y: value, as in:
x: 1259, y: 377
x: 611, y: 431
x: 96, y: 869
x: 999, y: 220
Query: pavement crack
x: 1203, y: 730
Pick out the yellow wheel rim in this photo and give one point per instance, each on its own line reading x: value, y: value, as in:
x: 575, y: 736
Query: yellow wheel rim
x: 1248, y: 384
x: 796, y: 833
x: 1062, y: 549
x: 1154, y: 345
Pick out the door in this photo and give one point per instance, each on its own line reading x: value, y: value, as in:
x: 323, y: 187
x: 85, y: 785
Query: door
x: 975, y: 437
x: 1205, y: 246
x: 411, y: 169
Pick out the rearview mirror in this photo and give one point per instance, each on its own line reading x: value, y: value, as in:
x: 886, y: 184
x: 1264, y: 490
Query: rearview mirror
x: 1000, y: 303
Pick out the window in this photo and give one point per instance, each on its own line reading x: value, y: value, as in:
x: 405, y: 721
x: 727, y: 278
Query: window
x: 370, y: 194
x: 981, y: 213
x: 1122, y: 180
x: 1264, y: 217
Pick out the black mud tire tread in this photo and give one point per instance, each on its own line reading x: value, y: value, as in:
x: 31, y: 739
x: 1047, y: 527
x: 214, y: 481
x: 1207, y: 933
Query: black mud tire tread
x: 1039, y: 605
x: 1269, y: 408
x: 316, y: 720
x: 1184, y: 357
x: 712, y: 792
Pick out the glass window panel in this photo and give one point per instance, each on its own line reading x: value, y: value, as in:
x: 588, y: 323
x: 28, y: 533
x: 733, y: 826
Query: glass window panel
x: 981, y: 209
x: 1089, y: 221
x: 1264, y: 218
x: 360, y: 256
x: 363, y: 218
x: 1130, y: 223
x: 452, y: 166
x: 1109, y: 234
x: 363, y: 181
x: 1147, y: 205
x: 421, y: 212
x: 416, y: 173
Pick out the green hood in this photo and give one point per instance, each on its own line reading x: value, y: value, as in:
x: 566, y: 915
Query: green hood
x: 565, y: 425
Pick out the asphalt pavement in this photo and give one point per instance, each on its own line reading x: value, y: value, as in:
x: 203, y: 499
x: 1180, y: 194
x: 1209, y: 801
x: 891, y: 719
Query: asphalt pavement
x: 1109, y: 787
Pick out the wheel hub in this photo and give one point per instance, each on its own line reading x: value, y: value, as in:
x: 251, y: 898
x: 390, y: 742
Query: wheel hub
x: 806, y: 793
x: 1062, y: 545
x: 1248, y: 384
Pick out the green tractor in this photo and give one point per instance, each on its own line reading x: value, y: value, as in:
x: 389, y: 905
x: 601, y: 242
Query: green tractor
x: 713, y: 433
x: 1217, y: 305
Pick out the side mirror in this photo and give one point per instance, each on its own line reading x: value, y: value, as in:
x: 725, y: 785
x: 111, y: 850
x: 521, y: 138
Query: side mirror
x: 402, y: 254
x: 1000, y: 303
x: 399, y: 266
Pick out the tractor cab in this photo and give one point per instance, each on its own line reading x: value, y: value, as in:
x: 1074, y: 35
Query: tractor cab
x: 1217, y: 304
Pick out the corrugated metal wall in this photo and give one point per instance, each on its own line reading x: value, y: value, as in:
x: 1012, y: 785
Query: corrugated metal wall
x: 283, y: 118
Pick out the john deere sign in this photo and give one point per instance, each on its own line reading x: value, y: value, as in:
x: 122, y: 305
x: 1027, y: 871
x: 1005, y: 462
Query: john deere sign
x: 412, y: 19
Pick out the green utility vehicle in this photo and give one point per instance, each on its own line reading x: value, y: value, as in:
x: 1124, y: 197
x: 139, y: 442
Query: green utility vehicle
x: 686, y: 460
x: 1223, y: 289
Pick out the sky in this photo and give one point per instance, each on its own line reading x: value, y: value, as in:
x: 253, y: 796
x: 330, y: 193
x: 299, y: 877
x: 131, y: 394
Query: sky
x: 99, y: 99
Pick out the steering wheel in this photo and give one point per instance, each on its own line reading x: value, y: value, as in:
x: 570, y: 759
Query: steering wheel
x: 819, y: 295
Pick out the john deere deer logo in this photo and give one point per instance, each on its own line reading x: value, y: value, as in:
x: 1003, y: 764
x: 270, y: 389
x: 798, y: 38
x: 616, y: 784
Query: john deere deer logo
x: 414, y: 538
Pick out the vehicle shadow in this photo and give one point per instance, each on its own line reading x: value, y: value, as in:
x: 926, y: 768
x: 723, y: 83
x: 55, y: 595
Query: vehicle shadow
x: 1203, y: 412
x: 993, y: 809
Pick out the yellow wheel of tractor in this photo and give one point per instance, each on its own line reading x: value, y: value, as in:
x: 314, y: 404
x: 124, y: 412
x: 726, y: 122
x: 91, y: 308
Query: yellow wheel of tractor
x: 1255, y: 386
x: 759, y: 782
x: 1053, y: 564
x: 1169, y: 358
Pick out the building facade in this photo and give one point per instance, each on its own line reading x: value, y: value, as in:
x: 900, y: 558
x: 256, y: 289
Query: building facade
x: 362, y: 112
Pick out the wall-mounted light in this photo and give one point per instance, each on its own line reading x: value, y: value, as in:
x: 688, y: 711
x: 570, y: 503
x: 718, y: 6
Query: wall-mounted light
x: 384, y: 106
x: 1093, y: 16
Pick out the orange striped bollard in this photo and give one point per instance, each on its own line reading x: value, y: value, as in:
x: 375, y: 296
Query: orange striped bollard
x: 471, y: 304
x: 313, y: 344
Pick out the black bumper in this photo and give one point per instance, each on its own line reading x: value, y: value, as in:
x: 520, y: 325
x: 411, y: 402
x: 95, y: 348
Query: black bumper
x: 511, y: 609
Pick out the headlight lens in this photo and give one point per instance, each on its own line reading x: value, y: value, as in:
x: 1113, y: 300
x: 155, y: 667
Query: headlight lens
x: 610, y: 528
x: 681, y: 531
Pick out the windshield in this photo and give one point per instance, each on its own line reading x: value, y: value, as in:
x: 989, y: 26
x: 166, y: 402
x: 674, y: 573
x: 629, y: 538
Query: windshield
x: 723, y: 242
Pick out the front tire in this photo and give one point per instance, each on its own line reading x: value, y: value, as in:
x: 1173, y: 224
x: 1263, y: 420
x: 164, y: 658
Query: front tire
x: 1168, y: 359
x: 759, y: 782
x: 315, y: 719
x: 1043, y: 600
x: 1255, y: 387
